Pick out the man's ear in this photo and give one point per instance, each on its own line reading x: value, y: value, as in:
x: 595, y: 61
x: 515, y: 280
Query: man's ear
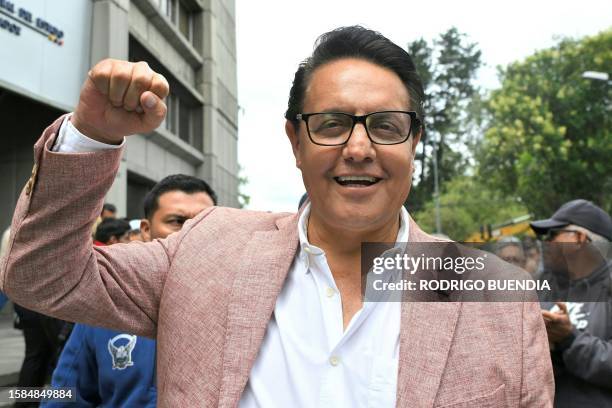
x: 583, y: 238
x: 415, y: 141
x: 145, y: 230
x: 294, y: 139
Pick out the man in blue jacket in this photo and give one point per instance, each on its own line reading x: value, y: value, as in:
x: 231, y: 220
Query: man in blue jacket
x: 113, y: 369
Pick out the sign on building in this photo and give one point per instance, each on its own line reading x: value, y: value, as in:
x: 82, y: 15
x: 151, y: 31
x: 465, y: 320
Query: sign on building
x: 44, y: 48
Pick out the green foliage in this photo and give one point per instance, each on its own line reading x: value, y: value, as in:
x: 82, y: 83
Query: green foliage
x: 465, y: 205
x: 447, y: 68
x: 243, y: 199
x: 550, y: 134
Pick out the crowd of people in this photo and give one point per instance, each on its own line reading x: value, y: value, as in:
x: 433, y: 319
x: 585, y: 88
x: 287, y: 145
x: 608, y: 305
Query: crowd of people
x: 254, y: 309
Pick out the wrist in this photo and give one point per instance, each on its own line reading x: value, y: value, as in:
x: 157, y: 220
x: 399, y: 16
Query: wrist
x: 567, y: 342
x: 91, y: 132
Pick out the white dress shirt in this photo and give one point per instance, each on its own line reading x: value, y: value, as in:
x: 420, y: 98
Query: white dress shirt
x: 307, y: 359
x: 70, y: 140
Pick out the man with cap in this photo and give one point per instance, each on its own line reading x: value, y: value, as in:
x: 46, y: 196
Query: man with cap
x: 579, y: 271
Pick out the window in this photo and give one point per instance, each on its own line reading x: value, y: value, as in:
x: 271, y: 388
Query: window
x: 180, y: 15
x: 162, y: 5
x: 184, y: 115
x: 185, y: 126
x: 137, y: 188
x: 189, y: 126
x: 182, y: 120
x: 184, y: 21
x: 167, y: 8
x: 171, y: 120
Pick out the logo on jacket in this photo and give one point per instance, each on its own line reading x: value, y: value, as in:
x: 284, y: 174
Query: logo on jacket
x: 122, y: 354
x: 578, y: 317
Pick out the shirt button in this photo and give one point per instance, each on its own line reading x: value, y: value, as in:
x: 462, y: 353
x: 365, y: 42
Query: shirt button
x: 330, y: 292
x: 307, y: 250
x: 334, y: 360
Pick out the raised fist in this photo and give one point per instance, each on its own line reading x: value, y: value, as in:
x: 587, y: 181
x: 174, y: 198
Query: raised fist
x: 118, y: 99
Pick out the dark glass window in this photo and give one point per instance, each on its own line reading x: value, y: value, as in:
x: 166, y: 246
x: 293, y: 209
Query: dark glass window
x: 184, y: 21
x: 184, y: 122
x: 184, y: 115
x: 172, y: 113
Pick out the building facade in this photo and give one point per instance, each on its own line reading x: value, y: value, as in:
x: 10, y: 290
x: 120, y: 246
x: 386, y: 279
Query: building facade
x: 46, y: 51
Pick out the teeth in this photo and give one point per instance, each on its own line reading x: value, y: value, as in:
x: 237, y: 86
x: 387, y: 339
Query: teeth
x: 357, y: 178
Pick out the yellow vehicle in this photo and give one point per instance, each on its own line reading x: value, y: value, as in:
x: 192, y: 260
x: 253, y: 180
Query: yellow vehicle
x: 518, y: 226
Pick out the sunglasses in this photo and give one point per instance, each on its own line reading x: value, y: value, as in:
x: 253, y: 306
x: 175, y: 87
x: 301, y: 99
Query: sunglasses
x: 553, y: 233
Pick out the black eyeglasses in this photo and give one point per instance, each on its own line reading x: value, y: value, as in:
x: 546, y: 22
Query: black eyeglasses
x: 336, y: 128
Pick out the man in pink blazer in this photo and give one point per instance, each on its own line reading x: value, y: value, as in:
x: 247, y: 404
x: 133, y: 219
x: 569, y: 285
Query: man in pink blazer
x: 255, y: 309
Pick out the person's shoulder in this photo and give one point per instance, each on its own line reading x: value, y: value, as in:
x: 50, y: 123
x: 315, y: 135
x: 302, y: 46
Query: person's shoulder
x: 243, y: 214
x: 416, y: 234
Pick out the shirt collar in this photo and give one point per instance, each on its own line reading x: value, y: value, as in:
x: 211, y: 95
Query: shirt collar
x: 306, y: 248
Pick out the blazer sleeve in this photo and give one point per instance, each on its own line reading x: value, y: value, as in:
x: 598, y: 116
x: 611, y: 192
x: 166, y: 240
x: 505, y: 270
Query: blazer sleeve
x: 51, y: 265
x: 537, y: 385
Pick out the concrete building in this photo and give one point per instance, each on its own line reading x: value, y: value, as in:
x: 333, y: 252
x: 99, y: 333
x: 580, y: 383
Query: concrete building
x: 46, y: 51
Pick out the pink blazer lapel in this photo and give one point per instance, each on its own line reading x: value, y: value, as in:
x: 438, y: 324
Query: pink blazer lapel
x: 426, y: 334
x: 264, y: 268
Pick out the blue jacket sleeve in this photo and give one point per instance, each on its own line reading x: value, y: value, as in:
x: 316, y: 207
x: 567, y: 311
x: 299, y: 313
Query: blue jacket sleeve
x: 76, y: 368
x: 3, y: 300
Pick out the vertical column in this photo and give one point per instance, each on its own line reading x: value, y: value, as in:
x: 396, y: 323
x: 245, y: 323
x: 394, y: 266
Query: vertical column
x: 109, y: 30
x: 205, y: 81
x: 218, y: 85
x: 109, y: 39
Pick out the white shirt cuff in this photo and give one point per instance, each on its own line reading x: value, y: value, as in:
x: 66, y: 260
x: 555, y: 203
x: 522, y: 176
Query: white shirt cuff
x: 70, y: 140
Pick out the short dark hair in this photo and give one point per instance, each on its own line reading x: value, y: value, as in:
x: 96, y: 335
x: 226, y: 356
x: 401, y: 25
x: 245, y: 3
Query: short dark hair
x: 109, y: 207
x: 356, y: 42
x: 175, y: 182
x: 111, y: 227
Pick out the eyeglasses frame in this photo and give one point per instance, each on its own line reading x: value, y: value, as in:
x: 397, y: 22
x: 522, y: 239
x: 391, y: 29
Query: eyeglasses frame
x: 549, y: 237
x: 415, y: 123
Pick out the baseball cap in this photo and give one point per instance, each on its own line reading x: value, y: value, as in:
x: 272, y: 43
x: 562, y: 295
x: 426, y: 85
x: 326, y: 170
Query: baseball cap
x: 578, y: 212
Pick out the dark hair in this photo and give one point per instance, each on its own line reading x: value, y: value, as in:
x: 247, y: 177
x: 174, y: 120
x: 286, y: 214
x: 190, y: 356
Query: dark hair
x: 111, y: 227
x: 109, y: 207
x: 356, y: 42
x: 175, y: 182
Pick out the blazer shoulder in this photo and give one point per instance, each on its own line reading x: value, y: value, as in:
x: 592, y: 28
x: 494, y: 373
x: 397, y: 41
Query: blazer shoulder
x: 416, y: 234
x: 249, y: 219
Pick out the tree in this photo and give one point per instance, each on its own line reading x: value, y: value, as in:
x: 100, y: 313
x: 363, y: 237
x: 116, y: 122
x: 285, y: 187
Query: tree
x: 447, y: 68
x: 550, y: 135
x: 243, y: 198
x: 465, y: 205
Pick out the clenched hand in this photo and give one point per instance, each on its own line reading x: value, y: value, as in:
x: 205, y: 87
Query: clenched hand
x: 558, y: 324
x: 120, y: 98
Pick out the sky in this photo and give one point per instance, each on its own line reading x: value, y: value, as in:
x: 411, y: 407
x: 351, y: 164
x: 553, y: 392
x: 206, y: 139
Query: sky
x: 274, y: 36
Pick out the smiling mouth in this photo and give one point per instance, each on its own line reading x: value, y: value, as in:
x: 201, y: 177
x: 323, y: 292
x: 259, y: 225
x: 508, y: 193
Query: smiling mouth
x: 356, y: 181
